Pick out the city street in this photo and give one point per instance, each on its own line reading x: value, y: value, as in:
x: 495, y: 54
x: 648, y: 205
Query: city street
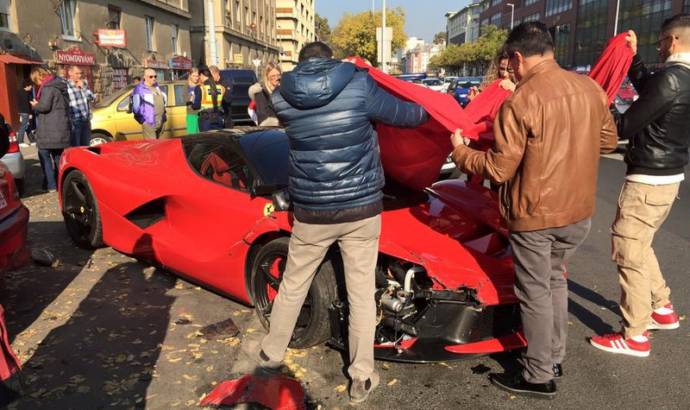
x: 100, y: 330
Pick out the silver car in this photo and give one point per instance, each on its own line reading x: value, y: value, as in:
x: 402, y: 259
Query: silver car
x: 15, y: 162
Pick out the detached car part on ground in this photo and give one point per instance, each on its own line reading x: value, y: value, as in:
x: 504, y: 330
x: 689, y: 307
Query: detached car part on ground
x: 213, y: 209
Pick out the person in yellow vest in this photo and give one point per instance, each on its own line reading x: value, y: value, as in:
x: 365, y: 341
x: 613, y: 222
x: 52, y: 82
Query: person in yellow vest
x: 211, y: 114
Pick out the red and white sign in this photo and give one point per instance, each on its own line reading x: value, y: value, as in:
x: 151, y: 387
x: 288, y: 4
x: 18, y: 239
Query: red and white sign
x: 151, y: 63
x: 75, y: 56
x: 111, y: 38
x: 180, y: 63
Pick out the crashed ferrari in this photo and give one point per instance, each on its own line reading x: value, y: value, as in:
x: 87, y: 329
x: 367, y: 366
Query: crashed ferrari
x: 212, y: 208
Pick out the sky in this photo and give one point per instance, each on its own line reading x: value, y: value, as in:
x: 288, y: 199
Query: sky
x: 424, y: 18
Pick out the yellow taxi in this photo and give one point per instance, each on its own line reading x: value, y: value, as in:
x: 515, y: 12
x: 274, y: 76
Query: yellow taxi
x: 112, y: 120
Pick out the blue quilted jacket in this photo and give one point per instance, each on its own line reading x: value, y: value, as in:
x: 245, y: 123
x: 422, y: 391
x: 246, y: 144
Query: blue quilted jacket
x: 327, y: 108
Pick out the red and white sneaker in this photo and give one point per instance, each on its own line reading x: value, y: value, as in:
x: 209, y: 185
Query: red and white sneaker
x: 664, y: 319
x: 617, y: 343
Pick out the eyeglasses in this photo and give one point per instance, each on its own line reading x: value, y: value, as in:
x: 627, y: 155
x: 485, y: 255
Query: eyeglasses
x: 658, y: 43
x: 150, y: 76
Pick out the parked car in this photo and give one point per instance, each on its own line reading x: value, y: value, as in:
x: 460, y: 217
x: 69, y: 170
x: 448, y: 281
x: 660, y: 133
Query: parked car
x: 14, y: 216
x: 461, y: 88
x: 212, y: 208
x: 625, y: 97
x: 240, y: 81
x: 435, y: 84
x: 112, y: 120
x: 13, y: 159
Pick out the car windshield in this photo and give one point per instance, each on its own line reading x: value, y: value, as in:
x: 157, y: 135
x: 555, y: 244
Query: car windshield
x: 267, y: 151
x: 106, y: 101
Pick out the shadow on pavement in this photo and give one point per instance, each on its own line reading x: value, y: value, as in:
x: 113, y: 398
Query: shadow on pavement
x: 29, y: 290
x: 105, y: 354
x: 590, y: 319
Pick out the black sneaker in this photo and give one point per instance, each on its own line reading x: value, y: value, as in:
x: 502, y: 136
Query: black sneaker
x: 557, y: 371
x: 516, y: 384
x: 360, y: 389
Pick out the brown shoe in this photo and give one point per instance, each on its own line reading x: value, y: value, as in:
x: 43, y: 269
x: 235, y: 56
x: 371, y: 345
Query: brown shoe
x: 360, y: 389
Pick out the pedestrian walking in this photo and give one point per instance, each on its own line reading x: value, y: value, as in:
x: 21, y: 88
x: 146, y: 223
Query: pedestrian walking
x: 211, y: 116
x: 193, y: 101
x: 335, y: 184
x: 226, y: 99
x: 80, y: 98
x: 270, y: 80
x: 657, y: 127
x: 24, y: 97
x: 53, y: 129
x: 542, y: 140
x: 148, y: 105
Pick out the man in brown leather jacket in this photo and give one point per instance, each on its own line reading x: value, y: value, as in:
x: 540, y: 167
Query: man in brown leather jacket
x: 548, y: 137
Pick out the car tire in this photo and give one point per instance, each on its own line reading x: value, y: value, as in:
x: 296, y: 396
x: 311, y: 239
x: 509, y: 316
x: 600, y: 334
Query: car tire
x: 313, y: 325
x: 80, y: 211
x: 99, y: 138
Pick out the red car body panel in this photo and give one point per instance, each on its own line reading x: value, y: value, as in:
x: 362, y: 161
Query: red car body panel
x: 14, y: 220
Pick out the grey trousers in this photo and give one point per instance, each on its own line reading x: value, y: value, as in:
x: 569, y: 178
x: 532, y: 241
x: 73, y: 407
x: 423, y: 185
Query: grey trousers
x: 540, y: 259
x: 359, y: 248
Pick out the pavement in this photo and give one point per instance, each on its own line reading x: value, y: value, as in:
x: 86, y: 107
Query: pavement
x: 100, y: 330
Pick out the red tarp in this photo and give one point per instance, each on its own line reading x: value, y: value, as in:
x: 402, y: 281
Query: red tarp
x: 9, y: 364
x: 276, y: 393
x: 414, y: 156
x: 613, y: 65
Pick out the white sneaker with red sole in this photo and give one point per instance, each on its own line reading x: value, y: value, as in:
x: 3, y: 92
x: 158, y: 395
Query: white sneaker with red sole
x: 617, y: 343
x: 666, y: 319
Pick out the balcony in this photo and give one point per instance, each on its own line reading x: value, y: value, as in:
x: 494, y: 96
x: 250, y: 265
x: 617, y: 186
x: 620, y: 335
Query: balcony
x: 286, y: 13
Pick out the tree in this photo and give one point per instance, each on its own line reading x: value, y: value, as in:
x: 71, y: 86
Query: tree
x: 355, y: 34
x: 440, y: 37
x: 323, y: 29
x: 477, y: 54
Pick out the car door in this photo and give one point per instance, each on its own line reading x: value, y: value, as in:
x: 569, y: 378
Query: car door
x: 178, y: 126
x: 123, y: 122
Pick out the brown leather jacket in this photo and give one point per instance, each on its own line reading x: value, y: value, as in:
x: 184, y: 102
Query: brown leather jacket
x: 548, y: 137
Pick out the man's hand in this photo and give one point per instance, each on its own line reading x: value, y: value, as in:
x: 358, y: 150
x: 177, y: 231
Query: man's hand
x: 457, y: 139
x: 33, y: 103
x: 507, y: 85
x: 631, y: 38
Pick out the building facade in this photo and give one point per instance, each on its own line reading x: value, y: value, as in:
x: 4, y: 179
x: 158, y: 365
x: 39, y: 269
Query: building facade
x: 234, y: 33
x: 112, y: 40
x: 417, y: 58
x: 463, y: 26
x: 296, y: 26
x: 581, y: 28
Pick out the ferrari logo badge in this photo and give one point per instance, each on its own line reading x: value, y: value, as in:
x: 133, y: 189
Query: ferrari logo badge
x: 268, y: 209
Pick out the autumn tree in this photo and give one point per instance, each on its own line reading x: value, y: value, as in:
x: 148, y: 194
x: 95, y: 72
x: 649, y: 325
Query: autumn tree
x: 323, y: 29
x: 355, y: 34
x: 477, y: 54
x: 440, y: 37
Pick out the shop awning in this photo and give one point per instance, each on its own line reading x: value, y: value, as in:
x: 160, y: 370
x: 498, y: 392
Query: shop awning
x: 10, y: 59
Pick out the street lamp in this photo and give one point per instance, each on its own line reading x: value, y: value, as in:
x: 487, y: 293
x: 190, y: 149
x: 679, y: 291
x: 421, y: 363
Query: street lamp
x: 512, y: 14
x: 615, y: 23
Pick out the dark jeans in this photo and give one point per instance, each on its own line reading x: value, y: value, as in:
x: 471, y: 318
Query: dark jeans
x: 81, y: 133
x: 540, y: 259
x: 24, y: 124
x: 50, y: 160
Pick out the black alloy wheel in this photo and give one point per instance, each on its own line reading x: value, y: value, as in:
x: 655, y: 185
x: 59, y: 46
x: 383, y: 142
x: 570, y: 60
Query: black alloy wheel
x: 313, y: 325
x: 80, y: 211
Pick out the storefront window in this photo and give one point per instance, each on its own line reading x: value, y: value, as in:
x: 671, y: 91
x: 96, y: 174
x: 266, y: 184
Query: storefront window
x: 150, y: 45
x: 645, y: 18
x: 591, y: 35
x: 557, y: 6
x: 66, y: 11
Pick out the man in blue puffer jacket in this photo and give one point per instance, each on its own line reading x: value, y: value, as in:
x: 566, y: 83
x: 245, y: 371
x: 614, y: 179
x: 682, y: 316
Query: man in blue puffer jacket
x: 336, y: 177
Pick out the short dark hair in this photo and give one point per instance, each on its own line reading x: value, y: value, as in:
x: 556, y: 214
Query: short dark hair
x: 317, y: 49
x: 681, y: 21
x: 529, y: 39
x: 136, y: 78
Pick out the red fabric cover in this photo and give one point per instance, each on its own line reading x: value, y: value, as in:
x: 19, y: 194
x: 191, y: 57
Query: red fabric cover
x: 413, y: 156
x: 276, y: 393
x: 9, y: 364
x: 485, y: 106
x: 613, y: 64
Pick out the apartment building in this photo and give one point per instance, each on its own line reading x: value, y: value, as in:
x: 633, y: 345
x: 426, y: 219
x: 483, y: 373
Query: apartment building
x: 295, y: 27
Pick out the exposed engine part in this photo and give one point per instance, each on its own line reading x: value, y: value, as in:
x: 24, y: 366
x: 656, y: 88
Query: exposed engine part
x: 409, y: 275
x: 399, y: 326
x: 392, y: 303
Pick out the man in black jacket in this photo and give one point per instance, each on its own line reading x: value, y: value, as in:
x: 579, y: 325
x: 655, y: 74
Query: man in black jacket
x: 335, y: 181
x: 657, y: 126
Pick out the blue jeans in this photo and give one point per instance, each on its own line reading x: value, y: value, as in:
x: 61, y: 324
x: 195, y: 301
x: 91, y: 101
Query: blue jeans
x: 81, y: 133
x: 24, y: 123
x: 50, y: 160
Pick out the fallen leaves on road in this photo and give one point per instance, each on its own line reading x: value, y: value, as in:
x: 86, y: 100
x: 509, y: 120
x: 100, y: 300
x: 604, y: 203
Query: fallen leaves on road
x: 392, y: 382
x: 340, y: 388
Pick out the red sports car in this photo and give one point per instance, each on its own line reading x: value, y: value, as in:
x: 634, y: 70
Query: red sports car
x: 212, y: 208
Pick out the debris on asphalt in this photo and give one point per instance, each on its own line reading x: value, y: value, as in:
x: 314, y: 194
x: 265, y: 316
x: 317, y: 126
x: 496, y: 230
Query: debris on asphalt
x: 340, y: 388
x: 44, y: 257
x: 392, y: 382
x: 226, y: 328
x: 276, y: 392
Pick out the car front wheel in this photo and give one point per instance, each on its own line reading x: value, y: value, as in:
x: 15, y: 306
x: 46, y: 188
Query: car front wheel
x: 313, y: 324
x: 80, y: 211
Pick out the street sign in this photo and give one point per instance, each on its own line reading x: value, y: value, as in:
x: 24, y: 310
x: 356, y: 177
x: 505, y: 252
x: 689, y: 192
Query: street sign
x: 111, y: 38
x: 75, y: 56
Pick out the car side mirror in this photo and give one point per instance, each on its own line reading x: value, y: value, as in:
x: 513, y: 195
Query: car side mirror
x: 281, y: 200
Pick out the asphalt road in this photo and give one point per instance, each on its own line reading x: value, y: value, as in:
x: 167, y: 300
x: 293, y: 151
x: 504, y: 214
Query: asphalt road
x: 100, y: 330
